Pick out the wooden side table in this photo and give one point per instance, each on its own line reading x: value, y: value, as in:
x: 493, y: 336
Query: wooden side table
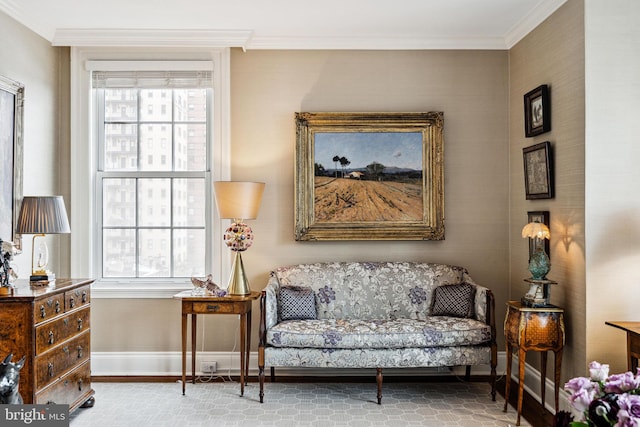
x: 230, y: 304
x: 633, y: 341
x: 538, y: 329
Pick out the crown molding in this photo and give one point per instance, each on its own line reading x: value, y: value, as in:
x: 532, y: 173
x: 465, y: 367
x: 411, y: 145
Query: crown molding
x: 16, y: 11
x: 376, y: 43
x: 531, y: 21
x: 160, y: 38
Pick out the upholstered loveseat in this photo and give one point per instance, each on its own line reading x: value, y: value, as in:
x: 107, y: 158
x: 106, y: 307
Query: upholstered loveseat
x: 375, y: 315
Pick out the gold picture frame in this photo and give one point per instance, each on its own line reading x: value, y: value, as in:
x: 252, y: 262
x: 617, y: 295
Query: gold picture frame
x: 369, y: 176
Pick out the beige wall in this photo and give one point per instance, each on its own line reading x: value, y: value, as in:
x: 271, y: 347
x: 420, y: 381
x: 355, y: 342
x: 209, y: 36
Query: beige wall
x: 613, y: 177
x: 553, y: 54
x: 30, y: 60
x: 268, y: 87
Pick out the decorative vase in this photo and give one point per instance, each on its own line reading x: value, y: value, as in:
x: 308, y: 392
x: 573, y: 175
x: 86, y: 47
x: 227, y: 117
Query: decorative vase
x: 539, y: 264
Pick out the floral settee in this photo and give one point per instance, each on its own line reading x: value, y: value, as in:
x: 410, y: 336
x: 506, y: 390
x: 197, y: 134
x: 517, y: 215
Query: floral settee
x: 375, y: 315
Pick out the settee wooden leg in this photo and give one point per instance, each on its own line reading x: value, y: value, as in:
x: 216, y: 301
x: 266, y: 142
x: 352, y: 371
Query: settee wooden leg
x: 261, y: 379
x: 467, y: 373
x: 273, y: 374
x: 379, y: 383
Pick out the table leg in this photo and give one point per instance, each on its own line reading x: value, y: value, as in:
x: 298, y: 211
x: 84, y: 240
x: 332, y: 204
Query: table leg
x: 543, y: 376
x: 522, y: 354
x: 194, y: 332
x: 184, y: 352
x: 508, y: 378
x: 243, y: 347
x: 558, y: 369
x: 246, y: 363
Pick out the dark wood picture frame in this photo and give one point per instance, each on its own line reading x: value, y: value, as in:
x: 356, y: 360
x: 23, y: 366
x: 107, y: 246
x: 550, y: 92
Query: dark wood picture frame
x: 388, y: 184
x: 537, y: 111
x: 543, y: 218
x: 538, y: 171
x: 11, y: 153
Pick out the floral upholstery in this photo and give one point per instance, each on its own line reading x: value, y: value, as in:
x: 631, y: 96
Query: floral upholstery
x: 375, y: 315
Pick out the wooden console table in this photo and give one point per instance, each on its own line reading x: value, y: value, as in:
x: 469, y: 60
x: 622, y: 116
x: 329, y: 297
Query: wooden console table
x: 230, y: 304
x: 633, y: 342
x: 538, y: 329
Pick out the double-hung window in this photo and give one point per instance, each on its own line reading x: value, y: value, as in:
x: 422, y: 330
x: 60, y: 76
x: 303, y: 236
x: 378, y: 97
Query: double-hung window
x: 152, y: 184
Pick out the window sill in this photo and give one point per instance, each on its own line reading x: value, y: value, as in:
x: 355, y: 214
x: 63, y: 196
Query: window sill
x: 133, y: 290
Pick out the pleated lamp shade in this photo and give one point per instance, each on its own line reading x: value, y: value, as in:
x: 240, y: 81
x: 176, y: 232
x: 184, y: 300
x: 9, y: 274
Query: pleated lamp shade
x: 43, y: 215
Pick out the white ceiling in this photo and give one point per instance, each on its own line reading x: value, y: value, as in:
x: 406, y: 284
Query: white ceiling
x: 284, y: 24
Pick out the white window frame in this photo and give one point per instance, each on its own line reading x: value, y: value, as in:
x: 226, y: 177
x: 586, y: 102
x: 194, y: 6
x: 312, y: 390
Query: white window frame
x: 84, y: 201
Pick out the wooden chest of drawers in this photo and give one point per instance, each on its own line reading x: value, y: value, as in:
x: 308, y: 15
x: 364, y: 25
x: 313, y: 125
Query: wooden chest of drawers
x: 50, y: 325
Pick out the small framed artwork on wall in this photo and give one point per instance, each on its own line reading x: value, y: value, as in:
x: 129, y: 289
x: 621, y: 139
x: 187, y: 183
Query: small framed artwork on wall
x: 537, y: 111
x: 538, y: 171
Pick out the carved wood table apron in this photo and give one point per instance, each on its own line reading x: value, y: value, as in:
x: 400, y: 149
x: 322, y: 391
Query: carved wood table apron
x: 230, y: 304
x: 538, y: 329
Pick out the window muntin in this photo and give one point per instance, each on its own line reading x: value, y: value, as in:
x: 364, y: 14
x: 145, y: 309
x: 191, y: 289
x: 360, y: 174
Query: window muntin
x: 153, y: 181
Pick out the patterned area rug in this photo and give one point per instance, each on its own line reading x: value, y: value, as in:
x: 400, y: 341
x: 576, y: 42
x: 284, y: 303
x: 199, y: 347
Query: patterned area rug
x: 294, y: 404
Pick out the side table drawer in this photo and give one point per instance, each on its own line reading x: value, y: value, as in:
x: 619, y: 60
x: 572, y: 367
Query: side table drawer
x: 49, y: 335
x: 45, y: 309
x: 215, y: 307
x: 69, y: 388
x: 60, y: 359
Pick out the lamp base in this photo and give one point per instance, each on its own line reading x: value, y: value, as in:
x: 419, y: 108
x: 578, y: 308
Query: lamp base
x: 238, y: 282
x: 42, y: 279
x: 539, y: 293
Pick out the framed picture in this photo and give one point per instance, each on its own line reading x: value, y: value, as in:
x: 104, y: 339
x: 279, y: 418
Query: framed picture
x: 11, y: 116
x: 538, y: 171
x: 369, y: 176
x: 543, y: 218
x: 537, y: 111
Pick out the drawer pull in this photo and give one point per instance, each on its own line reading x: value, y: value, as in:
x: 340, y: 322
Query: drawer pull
x: 80, y: 384
x: 51, y: 338
x: 50, y: 369
x: 72, y: 302
x: 211, y: 307
x: 79, y: 352
x: 84, y: 297
x: 66, y: 321
x: 80, y: 324
x: 57, y: 306
x: 43, y: 313
x: 66, y: 349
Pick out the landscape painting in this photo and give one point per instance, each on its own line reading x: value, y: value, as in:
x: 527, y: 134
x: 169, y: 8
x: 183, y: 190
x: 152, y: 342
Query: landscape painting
x: 369, y: 176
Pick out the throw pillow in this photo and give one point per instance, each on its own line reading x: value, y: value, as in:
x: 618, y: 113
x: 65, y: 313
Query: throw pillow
x: 453, y: 300
x: 297, y: 302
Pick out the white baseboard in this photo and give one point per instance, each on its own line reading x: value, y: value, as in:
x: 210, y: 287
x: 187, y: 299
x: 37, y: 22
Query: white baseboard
x: 170, y: 364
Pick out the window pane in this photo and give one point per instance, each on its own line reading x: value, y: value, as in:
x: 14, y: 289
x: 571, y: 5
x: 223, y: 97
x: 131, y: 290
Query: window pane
x: 119, y: 202
x: 154, y: 247
x: 118, y: 253
x: 190, y: 105
x: 120, y: 147
x: 120, y: 105
x: 155, y: 147
x: 154, y: 202
x: 188, y: 253
x: 191, y: 147
x: 155, y: 105
x: 188, y: 202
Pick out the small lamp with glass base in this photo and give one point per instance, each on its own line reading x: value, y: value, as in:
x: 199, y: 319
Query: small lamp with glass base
x: 41, y: 215
x: 539, y: 265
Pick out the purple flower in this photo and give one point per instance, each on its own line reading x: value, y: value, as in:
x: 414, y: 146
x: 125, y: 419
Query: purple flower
x: 621, y: 383
x: 629, y: 413
x: 582, y: 398
x: 598, y: 372
x: 576, y: 384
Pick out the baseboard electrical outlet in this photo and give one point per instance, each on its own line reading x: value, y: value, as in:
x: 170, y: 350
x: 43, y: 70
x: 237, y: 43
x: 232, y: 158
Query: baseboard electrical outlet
x: 208, y: 367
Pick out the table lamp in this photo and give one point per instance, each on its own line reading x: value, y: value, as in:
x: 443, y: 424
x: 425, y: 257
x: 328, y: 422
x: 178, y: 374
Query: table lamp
x: 238, y: 201
x: 41, y: 215
x: 539, y: 263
